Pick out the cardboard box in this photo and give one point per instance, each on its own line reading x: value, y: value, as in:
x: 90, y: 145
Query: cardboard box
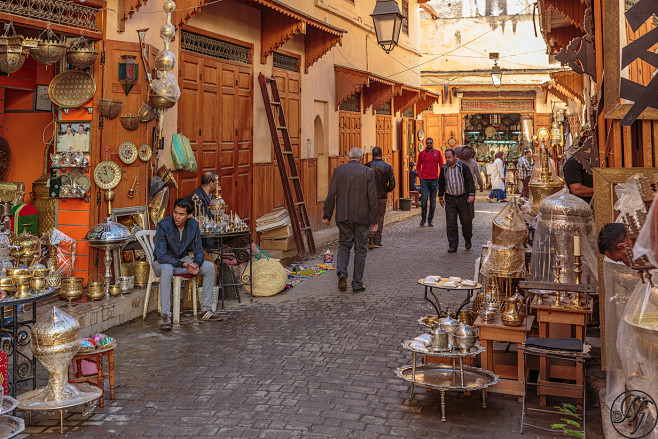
x: 280, y: 232
x: 278, y: 244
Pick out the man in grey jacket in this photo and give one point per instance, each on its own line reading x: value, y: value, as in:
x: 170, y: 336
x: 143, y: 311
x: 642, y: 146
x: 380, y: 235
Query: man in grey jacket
x: 353, y: 193
x: 175, y: 236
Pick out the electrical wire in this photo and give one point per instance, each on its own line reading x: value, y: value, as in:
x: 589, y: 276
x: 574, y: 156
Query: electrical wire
x: 117, y: 10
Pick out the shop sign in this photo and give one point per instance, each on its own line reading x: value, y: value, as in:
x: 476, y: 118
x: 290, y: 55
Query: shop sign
x: 633, y: 414
x: 128, y: 72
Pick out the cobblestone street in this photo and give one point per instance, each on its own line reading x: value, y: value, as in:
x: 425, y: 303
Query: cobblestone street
x: 312, y: 363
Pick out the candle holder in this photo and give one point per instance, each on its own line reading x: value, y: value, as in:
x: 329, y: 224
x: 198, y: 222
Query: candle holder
x: 579, y: 300
x: 558, y: 275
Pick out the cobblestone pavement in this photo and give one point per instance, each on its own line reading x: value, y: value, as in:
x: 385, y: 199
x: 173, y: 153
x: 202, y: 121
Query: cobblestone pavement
x: 312, y: 363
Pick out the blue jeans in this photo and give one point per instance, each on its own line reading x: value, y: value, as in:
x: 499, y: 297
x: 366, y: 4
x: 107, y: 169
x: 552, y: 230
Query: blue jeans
x: 498, y: 194
x: 428, y: 190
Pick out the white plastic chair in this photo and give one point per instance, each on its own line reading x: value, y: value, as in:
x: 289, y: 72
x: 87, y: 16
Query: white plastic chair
x: 147, y: 239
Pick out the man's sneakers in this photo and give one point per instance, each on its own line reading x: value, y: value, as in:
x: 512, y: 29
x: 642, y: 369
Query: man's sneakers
x: 377, y: 246
x: 342, y: 282
x: 359, y: 290
x: 210, y: 316
x: 166, y: 323
x: 429, y: 223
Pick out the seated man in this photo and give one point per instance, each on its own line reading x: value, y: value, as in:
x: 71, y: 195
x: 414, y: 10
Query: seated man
x: 613, y: 242
x: 176, y: 236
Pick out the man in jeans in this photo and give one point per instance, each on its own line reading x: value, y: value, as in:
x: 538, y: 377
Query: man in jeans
x: 177, y: 235
x: 525, y: 172
x: 385, y: 183
x: 429, y: 162
x: 352, y: 191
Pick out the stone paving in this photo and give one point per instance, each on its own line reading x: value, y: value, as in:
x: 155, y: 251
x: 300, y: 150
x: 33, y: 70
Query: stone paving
x: 312, y: 363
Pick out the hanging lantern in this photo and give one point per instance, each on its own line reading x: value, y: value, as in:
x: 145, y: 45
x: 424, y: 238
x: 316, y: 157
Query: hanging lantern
x: 80, y: 55
x: 48, y: 50
x: 496, y: 74
x: 387, y: 20
x: 128, y: 72
x: 12, y: 50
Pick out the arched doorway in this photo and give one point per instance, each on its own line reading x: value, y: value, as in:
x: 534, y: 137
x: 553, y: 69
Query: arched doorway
x: 323, y: 159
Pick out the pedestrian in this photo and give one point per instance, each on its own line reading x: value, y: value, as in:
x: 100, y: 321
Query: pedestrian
x: 175, y: 236
x: 578, y: 180
x: 467, y: 158
x: 456, y: 193
x: 413, y: 175
x: 385, y: 183
x: 353, y: 193
x: 498, y: 179
x: 429, y: 162
x: 525, y: 172
x: 613, y: 242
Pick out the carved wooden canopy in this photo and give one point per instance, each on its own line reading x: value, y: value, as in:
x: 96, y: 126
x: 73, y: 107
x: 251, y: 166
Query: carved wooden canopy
x: 571, y: 82
x: 561, y: 21
x: 558, y: 91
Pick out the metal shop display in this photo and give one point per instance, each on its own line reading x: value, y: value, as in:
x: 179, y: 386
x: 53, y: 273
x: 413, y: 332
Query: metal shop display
x: 107, y: 236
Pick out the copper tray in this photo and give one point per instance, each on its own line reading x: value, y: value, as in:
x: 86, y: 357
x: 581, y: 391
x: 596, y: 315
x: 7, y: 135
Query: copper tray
x: 71, y: 89
x: 442, y: 377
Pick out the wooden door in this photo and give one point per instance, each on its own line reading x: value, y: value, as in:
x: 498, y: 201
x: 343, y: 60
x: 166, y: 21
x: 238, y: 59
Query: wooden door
x: 384, y: 139
x: 403, y: 185
x: 349, y: 131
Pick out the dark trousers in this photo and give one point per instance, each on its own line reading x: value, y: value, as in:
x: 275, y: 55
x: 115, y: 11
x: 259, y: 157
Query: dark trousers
x: 472, y: 210
x: 381, y: 211
x: 525, y: 192
x: 351, y: 235
x: 428, y: 190
x: 458, y: 206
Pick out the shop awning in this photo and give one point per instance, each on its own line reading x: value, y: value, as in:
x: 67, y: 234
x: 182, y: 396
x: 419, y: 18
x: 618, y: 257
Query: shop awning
x: 560, y: 21
x: 558, y: 91
x: 572, y: 82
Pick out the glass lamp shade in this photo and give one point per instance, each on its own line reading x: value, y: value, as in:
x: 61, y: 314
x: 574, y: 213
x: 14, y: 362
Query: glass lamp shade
x: 496, y: 75
x: 556, y: 133
x: 387, y: 20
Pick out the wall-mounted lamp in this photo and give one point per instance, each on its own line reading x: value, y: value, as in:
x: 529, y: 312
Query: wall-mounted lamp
x: 387, y: 20
x: 496, y: 71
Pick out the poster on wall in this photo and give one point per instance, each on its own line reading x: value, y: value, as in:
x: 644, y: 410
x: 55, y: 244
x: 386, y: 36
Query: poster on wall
x: 73, y: 136
x: 42, y: 101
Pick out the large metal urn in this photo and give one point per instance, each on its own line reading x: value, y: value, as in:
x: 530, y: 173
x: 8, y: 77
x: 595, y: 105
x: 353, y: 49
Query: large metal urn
x: 107, y: 236
x: 546, y: 183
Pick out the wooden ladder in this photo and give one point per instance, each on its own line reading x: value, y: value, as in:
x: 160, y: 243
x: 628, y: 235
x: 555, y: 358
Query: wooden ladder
x: 287, y: 166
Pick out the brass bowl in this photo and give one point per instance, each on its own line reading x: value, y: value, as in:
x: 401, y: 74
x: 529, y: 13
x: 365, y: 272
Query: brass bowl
x: 38, y: 283
x: 72, y: 284
x: 13, y: 272
x: 129, y: 121
x: 430, y: 320
x: 95, y: 289
x: 6, y: 281
x: 70, y: 294
x: 23, y: 292
x: 94, y: 294
x: 23, y: 279
x: 12, y: 60
x: 160, y: 102
x: 81, y: 58
x: 109, y: 108
x: 41, y: 272
x: 115, y: 290
x: 142, y: 269
x: 48, y: 52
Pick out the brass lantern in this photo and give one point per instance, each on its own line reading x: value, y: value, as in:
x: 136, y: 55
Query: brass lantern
x: 387, y: 20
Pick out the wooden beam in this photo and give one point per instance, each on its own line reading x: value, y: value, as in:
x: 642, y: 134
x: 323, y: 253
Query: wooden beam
x: 276, y: 29
x: 317, y: 43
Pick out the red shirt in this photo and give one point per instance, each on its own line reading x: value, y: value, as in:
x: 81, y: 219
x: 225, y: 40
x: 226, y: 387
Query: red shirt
x: 429, y: 163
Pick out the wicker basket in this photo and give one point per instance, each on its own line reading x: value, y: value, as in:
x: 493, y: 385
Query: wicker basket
x: 268, y: 276
x: 142, y: 269
x: 130, y: 121
x: 109, y: 108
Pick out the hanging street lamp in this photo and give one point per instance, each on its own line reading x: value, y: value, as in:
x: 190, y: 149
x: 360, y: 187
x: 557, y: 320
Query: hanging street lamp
x: 387, y: 20
x: 496, y: 71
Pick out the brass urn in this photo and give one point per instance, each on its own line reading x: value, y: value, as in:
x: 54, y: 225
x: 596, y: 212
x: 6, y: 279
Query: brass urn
x: 547, y: 182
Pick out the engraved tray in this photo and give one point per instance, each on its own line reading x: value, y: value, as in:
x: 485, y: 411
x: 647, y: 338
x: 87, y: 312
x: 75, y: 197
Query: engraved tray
x: 71, y: 89
x: 441, y: 377
x: 8, y: 404
x: 10, y: 426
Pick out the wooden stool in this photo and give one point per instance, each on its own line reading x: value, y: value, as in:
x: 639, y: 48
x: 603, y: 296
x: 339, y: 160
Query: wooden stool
x: 415, y: 195
x: 512, y: 377
x: 98, y: 379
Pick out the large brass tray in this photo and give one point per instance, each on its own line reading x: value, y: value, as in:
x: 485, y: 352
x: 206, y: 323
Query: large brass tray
x: 71, y: 89
x: 442, y: 377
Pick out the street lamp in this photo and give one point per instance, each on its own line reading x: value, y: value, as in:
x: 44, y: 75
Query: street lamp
x: 496, y: 71
x: 387, y: 20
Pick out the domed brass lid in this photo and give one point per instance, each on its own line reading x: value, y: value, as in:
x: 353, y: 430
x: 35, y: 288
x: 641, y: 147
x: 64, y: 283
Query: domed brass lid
x: 55, y: 328
x: 108, y: 231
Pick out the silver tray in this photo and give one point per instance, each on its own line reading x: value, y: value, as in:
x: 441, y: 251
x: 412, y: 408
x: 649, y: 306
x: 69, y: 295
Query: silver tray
x: 442, y: 377
x: 10, y: 426
x: 475, y: 350
x: 8, y: 404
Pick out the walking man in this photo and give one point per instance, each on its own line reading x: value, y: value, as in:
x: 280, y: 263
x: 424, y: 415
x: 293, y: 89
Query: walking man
x: 525, y: 172
x: 385, y: 183
x: 352, y: 191
x: 429, y: 162
x: 175, y: 236
x: 466, y: 157
x: 456, y: 193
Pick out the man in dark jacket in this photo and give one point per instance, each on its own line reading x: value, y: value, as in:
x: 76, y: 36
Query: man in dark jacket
x: 456, y: 193
x: 352, y: 190
x: 176, y: 236
x: 385, y: 183
x: 204, y: 193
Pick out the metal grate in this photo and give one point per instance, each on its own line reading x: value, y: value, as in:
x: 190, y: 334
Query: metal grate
x: 215, y: 48
x: 353, y: 103
x: 405, y: 17
x: 385, y: 109
x: 409, y: 112
x: 64, y: 12
x: 286, y: 62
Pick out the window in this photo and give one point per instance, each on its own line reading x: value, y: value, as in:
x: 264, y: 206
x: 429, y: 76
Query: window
x: 353, y: 103
x: 405, y: 17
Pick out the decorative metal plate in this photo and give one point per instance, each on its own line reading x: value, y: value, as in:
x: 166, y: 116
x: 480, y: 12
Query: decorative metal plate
x: 421, y: 135
x: 490, y: 131
x: 71, y: 89
x: 65, y: 180
x: 79, y: 178
x: 107, y: 175
x: 145, y: 152
x: 128, y: 152
x: 441, y: 377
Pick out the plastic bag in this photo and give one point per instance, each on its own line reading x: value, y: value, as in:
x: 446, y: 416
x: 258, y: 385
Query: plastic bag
x: 646, y: 243
x: 60, y: 256
x: 166, y: 86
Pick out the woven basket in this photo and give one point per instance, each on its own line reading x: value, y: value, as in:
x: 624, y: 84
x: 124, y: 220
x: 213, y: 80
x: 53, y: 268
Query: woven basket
x: 268, y: 276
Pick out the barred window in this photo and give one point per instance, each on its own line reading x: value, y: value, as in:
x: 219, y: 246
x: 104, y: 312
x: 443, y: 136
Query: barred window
x: 385, y: 109
x: 215, y: 48
x: 405, y: 17
x: 353, y: 103
x: 286, y: 62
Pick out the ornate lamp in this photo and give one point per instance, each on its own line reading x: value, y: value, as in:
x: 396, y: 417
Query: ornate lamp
x: 387, y: 20
x: 496, y: 71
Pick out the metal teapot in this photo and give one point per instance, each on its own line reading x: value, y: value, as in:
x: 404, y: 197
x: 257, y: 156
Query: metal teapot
x: 439, y: 339
x: 465, y: 337
x: 448, y: 324
x: 511, y: 316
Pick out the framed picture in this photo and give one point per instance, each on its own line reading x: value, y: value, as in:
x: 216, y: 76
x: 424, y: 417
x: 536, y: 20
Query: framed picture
x: 42, y: 101
x: 127, y: 256
x: 135, y: 218
x: 73, y: 135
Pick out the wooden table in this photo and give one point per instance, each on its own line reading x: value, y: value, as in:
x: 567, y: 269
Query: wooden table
x: 577, y: 319
x: 512, y: 378
x: 98, y: 380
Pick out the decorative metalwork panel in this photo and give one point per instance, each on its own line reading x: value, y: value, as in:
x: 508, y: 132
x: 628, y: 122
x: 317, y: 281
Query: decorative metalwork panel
x: 215, y: 48
x: 353, y: 103
x: 409, y: 112
x: 62, y: 12
x: 498, y: 105
x: 286, y: 62
x: 385, y: 109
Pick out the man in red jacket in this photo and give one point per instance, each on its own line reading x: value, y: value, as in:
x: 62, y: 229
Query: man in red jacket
x: 429, y: 162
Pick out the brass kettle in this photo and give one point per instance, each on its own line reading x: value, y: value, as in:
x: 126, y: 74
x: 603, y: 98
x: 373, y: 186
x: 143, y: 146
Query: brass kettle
x: 511, y: 316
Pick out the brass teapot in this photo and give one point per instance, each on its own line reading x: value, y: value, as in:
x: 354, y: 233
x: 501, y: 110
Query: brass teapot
x: 511, y: 315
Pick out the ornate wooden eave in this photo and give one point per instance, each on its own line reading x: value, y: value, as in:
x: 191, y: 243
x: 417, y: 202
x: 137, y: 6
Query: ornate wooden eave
x: 557, y: 91
x: 348, y: 82
x: 572, y: 10
x: 427, y: 98
x: 186, y: 10
x: 408, y: 97
x: 316, y: 43
x: 572, y: 82
x: 276, y: 29
x: 126, y: 10
x: 377, y: 93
